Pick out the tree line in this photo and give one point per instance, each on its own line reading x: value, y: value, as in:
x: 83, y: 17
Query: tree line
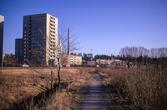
x: 144, y: 52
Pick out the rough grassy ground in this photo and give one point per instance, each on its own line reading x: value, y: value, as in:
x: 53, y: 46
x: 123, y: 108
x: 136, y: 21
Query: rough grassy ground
x: 144, y: 86
x: 68, y: 99
x: 17, y: 84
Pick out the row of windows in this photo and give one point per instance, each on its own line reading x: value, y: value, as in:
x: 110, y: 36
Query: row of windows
x: 53, y: 25
x: 52, y: 21
x: 52, y: 48
x: 51, y: 42
x: 52, y: 34
x: 52, y: 28
x: 52, y: 18
x: 51, y: 54
x: 51, y: 39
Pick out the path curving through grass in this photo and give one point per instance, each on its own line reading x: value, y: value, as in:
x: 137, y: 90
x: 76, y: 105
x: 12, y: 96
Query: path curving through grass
x: 97, y: 97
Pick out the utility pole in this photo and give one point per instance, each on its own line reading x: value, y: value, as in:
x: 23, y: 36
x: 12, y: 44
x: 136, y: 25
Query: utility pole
x: 68, y: 48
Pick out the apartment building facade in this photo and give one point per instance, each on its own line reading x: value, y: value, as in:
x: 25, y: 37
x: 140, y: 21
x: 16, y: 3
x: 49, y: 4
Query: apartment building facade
x: 74, y: 60
x: 40, y: 38
x: 19, y: 50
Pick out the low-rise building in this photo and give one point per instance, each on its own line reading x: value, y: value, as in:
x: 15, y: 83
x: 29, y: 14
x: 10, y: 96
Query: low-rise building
x: 74, y: 60
x: 88, y: 59
x: 109, y: 62
x: 88, y: 56
x: 103, y: 61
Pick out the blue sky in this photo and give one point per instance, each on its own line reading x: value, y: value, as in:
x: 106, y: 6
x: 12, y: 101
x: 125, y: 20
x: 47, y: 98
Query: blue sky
x: 100, y: 26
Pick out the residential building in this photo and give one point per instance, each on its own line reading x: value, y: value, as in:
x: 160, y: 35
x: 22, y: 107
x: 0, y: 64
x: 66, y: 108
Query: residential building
x: 19, y: 51
x: 1, y: 38
x: 40, y: 38
x: 88, y: 56
x: 103, y: 61
x: 88, y: 59
x: 109, y: 62
x: 74, y: 60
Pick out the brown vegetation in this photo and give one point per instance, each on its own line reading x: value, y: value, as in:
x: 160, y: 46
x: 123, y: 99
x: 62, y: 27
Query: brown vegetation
x: 17, y: 84
x: 69, y: 98
x: 145, y: 86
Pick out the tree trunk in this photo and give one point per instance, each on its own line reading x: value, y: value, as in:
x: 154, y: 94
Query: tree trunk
x: 51, y: 77
x: 58, y: 73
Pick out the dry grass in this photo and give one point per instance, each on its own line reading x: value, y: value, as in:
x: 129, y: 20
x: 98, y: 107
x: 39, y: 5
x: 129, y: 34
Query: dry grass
x: 59, y: 101
x: 145, y: 87
x: 68, y: 99
x: 17, y: 84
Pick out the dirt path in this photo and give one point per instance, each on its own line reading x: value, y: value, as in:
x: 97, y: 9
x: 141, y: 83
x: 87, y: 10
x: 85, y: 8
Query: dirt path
x: 97, y: 97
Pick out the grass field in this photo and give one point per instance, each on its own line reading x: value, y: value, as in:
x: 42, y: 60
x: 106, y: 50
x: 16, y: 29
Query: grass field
x: 17, y: 84
x: 144, y: 87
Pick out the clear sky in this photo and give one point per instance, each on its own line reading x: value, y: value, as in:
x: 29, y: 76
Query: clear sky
x: 103, y: 26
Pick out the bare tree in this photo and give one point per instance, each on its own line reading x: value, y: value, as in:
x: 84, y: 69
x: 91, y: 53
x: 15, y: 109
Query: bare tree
x: 63, y: 48
x: 134, y: 51
x: 141, y: 51
x: 68, y: 40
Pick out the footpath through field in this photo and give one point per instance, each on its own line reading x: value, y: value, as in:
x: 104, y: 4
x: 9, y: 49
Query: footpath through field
x: 97, y: 97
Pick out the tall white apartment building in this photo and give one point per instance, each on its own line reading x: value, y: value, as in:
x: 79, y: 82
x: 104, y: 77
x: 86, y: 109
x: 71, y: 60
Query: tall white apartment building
x: 40, y: 38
